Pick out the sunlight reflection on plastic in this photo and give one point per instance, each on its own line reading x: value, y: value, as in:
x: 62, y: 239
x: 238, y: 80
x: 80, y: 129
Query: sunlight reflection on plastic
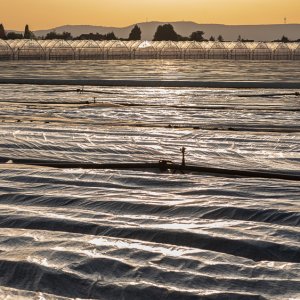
x: 134, y: 245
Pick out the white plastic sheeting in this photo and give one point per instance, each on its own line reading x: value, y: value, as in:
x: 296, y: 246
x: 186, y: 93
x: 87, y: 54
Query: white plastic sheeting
x: 123, y: 234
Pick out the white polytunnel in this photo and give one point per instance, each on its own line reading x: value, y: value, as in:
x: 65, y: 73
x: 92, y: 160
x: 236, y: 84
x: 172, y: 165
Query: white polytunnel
x: 193, y: 50
x: 217, y: 50
x: 87, y: 50
x: 281, y: 51
x: 27, y: 50
x: 6, y: 51
x: 239, y: 50
x: 261, y: 51
x: 116, y: 49
x: 296, y: 52
x: 59, y: 50
x: 167, y: 49
x: 143, y: 49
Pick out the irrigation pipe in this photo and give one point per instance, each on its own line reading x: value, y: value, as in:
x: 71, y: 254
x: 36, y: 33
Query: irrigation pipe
x: 161, y: 165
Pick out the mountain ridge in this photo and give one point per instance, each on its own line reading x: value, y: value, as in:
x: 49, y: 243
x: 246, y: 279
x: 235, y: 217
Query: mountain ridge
x: 267, y: 32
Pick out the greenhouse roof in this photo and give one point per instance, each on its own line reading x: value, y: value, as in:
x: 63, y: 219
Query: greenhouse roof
x: 125, y: 47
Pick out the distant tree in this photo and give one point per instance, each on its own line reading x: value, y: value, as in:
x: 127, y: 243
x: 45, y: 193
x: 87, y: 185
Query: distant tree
x: 67, y: 36
x: 52, y: 35
x: 90, y: 36
x: 182, y: 38
x: 284, y: 39
x: 197, y: 36
x: 14, y: 36
x: 220, y: 38
x: 165, y: 32
x: 56, y: 36
x: 247, y: 41
x: 28, y: 34
x: 2, y: 32
x: 110, y: 36
x: 97, y: 36
x: 212, y: 39
x: 135, y: 34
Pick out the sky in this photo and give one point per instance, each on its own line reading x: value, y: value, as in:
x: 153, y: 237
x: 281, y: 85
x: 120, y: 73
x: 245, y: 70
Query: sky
x: 45, y: 14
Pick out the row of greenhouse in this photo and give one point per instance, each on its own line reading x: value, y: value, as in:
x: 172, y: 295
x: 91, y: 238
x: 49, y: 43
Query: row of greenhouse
x: 87, y: 49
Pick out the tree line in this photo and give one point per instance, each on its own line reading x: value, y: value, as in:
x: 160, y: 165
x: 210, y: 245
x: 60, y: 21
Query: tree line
x: 14, y: 35
x: 164, y: 32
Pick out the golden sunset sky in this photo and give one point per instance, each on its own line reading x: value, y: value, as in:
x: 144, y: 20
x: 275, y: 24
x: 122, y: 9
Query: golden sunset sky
x: 44, y: 14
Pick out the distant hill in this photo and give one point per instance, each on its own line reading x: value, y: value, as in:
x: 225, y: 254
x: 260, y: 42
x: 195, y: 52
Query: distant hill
x: 229, y: 32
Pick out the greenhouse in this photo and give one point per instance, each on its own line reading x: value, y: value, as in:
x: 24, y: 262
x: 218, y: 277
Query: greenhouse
x: 281, y: 51
x: 239, y: 50
x: 115, y: 49
x: 143, y: 49
x: 85, y: 50
x: 61, y: 50
x: 58, y: 49
x: 6, y: 52
x: 28, y: 50
x: 193, y: 50
x: 296, y: 52
x: 261, y: 51
x: 167, y: 49
x: 217, y: 50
